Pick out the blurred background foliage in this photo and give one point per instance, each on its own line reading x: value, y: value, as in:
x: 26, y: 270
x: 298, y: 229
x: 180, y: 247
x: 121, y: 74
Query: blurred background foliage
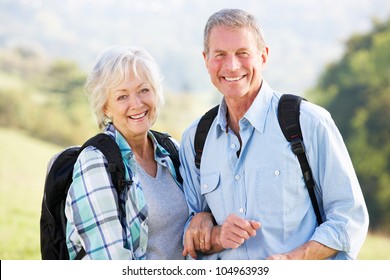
x: 43, y: 107
x: 356, y: 90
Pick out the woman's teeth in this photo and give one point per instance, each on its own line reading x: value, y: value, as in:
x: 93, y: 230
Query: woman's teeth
x: 139, y: 116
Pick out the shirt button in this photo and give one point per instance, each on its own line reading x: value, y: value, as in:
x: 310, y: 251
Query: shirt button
x: 205, y: 186
x: 233, y: 146
x: 237, y: 177
x: 241, y: 210
x: 277, y: 172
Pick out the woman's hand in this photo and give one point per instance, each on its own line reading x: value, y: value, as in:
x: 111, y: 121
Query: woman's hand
x: 198, y: 234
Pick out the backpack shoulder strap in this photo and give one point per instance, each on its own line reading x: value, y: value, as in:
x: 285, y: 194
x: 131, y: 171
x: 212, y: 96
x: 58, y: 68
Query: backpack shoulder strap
x: 110, y: 149
x: 288, y: 117
x: 164, y: 140
x: 201, y: 133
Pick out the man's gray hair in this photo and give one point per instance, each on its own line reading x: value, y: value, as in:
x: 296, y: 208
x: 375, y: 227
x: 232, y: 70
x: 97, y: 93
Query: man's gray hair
x: 233, y: 18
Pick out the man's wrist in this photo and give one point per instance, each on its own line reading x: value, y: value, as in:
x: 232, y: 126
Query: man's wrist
x: 215, y: 238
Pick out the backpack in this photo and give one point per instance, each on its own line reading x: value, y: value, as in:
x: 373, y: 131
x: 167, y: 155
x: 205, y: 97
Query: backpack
x: 288, y: 117
x: 59, y: 178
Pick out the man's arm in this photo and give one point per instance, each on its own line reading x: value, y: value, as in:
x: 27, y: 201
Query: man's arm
x: 311, y: 250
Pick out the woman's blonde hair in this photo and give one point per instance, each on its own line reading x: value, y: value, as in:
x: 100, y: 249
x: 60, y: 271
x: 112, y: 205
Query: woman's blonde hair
x: 113, y: 66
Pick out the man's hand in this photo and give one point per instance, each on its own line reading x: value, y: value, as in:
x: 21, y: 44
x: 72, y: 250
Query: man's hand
x: 203, y: 235
x: 235, y: 230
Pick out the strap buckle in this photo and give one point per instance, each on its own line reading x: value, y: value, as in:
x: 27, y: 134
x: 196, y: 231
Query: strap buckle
x: 297, y: 145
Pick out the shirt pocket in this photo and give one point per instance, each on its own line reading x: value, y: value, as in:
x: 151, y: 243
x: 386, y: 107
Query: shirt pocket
x: 212, y: 191
x: 279, y: 191
x: 209, y: 182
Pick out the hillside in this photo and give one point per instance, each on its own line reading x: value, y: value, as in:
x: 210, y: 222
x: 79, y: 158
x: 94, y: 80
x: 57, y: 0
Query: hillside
x: 22, y: 174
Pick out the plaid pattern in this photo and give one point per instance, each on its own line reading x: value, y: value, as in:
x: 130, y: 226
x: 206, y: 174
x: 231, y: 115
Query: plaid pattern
x: 95, y: 221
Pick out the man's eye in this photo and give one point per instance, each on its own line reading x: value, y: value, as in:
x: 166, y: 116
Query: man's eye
x: 243, y: 53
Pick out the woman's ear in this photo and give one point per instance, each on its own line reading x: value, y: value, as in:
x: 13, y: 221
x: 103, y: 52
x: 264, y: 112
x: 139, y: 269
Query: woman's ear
x: 105, y: 111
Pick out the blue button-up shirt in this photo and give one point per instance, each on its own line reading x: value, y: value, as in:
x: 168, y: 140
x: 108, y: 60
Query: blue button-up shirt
x: 265, y: 182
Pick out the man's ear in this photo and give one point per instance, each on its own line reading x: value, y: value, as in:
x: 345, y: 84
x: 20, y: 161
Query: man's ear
x: 206, y: 60
x: 206, y: 57
x: 264, y: 55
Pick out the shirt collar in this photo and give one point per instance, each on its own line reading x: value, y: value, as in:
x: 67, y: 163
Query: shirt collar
x: 159, y: 151
x: 120, y: 140
x: 221, y: 118
x: 256, y: 114
x: 125, y: 148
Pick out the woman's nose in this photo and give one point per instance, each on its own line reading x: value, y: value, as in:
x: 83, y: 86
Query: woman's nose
x: 135, y: 101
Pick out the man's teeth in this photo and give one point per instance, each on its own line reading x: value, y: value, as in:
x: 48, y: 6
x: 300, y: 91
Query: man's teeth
x: 232, y: 79
x: 135, y: 117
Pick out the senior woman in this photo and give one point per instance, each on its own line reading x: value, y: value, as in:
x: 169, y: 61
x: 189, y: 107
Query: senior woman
x: 125, y: 93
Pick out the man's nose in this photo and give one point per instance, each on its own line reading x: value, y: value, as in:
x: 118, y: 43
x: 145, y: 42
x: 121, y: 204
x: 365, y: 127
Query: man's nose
x: 232, y: 63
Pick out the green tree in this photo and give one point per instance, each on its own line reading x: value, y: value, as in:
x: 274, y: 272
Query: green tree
x: 356, y: 91
x: 64, y: 78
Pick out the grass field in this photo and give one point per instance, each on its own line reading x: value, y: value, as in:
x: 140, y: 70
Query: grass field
x: 23, y: 166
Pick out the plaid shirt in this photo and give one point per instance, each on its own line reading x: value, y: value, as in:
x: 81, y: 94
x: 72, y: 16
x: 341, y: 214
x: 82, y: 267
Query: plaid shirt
x: 94, y: 219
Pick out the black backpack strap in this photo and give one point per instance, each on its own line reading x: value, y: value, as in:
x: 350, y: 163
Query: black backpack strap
x: 201, y: 133
x: 110, y: 149
x: 288, y: 116
x: 164, y: 140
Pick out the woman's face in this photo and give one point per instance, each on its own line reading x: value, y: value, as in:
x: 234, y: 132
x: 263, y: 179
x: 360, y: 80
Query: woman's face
x: 132, y: 106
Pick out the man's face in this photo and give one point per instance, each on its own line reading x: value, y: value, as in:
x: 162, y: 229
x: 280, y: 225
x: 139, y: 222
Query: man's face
x: 234, y: 61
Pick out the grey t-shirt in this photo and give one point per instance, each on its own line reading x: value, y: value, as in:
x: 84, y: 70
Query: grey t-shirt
x: 167, y: 215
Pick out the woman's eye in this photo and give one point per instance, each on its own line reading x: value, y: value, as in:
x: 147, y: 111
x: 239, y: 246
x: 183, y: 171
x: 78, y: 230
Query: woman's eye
x: 122, y: 97
x: 144, y: 90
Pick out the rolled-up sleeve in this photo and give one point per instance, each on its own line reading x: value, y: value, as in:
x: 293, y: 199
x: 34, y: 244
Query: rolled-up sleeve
x: 345, y: 214
x: 191, y: 184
